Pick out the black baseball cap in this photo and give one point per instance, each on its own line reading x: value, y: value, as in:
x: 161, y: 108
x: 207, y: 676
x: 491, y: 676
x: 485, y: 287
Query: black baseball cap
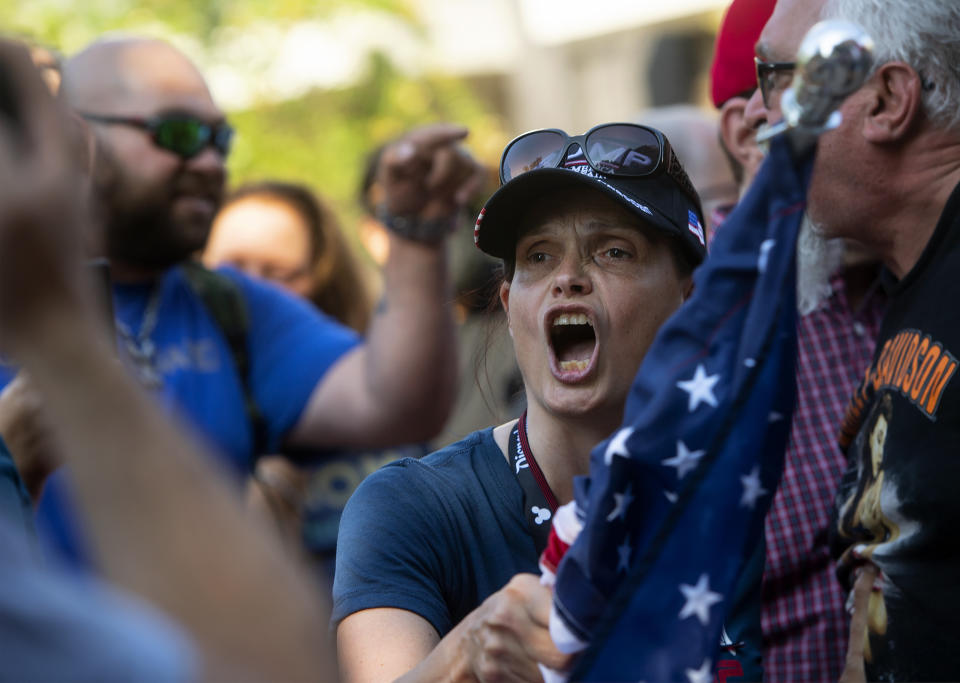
x: 662, y: 200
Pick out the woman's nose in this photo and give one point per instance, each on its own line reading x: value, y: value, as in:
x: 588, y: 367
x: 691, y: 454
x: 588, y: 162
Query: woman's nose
x: 571, y: 278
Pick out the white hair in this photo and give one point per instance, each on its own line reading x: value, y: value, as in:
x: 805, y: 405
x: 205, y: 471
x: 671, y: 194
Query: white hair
x: 922, y: 33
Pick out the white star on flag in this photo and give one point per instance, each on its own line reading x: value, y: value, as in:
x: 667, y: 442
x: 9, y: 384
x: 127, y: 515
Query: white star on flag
x: 671, y: 496
x: 618, y: 445
x: 623, y: 551
x: 621, y: 501
x: 685, y: 460
x: 701, y: 675
x: 699, y: 599
x: 774, y: 417
x: 700, y: 388
x: 752, y: 488
x: 765, y: 248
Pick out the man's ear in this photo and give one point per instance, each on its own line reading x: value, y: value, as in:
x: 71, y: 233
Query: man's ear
x: 505, y: 302
x: 895, y: 103
x: 738, y: 136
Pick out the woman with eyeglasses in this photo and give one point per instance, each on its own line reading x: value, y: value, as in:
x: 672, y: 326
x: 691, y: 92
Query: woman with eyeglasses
x: 598, y: 236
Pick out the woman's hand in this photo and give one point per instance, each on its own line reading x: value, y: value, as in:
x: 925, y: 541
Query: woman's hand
x: 501, y: 640
x: 507, y: 636
x: 504, y: 639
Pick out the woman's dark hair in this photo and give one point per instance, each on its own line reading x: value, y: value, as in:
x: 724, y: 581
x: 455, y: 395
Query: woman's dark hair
x: 339, y: 288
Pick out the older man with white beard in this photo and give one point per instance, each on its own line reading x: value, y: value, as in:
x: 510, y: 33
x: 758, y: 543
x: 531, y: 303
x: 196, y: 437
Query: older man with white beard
x: 840, y: 307
x: 889, y: 176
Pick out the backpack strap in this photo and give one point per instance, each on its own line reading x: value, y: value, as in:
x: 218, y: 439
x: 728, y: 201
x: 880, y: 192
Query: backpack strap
x: 225, y: 304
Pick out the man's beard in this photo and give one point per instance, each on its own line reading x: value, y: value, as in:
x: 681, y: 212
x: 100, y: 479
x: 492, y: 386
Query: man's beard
x: 141, y: 229
x: 818, y: 259
x: 149, y: 237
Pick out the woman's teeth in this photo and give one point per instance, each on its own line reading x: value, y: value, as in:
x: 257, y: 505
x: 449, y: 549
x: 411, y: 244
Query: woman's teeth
x: 578, y: 365
x: 572, y: 319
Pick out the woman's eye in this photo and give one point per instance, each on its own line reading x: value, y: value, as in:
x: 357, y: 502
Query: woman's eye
x: 617, y: 253
x: 537, y: 257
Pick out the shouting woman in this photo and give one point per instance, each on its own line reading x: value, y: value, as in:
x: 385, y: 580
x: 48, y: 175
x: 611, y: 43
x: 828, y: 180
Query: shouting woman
x: 598, y: 235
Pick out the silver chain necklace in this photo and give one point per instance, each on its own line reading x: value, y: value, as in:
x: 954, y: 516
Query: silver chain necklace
x: 140, y: 347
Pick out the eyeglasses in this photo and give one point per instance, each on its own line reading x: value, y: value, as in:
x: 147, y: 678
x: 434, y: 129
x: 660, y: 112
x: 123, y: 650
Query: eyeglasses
x: 773, y: 77
x: 184, y: 135
x: 613, y: 149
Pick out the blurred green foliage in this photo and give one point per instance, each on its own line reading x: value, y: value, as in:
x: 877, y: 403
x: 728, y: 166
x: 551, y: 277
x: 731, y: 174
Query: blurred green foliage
x: 324, y: 137
x: 70, y: 24
x: 321, y: 138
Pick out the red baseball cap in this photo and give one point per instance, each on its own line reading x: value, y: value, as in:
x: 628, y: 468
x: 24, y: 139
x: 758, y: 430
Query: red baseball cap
x: 733, y: 72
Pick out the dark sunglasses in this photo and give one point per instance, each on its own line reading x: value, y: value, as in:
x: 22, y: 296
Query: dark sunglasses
x: 184, y: 135
x: 773, y: 77
x: 613, y: 149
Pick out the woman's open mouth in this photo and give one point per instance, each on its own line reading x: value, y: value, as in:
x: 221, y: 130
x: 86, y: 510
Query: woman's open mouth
x: 573, y: 345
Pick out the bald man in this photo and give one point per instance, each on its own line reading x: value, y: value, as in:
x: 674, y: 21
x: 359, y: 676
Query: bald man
x: 159, y: 176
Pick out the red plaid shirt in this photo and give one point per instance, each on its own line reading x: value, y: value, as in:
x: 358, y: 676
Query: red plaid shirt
x: 804, y: 621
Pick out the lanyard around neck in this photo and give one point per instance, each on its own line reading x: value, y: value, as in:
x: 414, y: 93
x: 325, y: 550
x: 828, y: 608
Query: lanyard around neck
x: 539, y: 501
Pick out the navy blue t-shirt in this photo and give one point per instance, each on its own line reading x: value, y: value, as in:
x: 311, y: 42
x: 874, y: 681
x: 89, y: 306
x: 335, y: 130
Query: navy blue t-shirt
x: 434, y: 536
x: 437, y: 536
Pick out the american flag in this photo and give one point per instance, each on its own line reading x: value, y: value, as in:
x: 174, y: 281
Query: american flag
x: 694, y: 226
x: 675, y: 500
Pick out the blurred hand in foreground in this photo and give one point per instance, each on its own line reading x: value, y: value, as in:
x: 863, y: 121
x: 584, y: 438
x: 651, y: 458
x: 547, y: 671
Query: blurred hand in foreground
x: 43, y: 207
x: 427, y: 173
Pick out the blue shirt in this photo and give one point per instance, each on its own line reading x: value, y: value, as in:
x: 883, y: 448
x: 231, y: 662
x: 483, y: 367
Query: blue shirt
x: 331, y: 480
x: 434, y: 536
x: 290, y: 346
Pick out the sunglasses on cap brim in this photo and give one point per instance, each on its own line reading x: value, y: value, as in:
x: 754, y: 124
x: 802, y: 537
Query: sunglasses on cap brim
x: 626, y: 150
x: 184, y: 135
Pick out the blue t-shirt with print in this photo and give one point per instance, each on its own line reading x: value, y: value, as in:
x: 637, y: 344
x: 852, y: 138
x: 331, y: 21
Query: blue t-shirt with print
x: 290, y: 346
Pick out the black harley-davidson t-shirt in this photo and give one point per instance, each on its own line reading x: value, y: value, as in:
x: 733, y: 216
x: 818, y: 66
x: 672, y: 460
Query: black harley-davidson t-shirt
x: 899, y: 502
